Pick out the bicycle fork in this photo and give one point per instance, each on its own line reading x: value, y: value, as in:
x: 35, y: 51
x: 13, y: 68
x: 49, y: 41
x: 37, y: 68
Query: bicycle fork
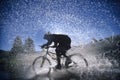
x: 44, y: 59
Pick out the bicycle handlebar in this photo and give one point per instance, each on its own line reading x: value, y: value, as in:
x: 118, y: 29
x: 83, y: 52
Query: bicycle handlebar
x: 46, y: 47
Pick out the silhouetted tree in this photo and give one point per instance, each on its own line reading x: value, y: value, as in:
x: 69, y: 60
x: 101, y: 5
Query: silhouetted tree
x: 17, y: 46
x: 29, y: 46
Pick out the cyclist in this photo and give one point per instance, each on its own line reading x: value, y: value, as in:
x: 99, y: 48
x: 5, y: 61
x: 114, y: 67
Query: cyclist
x: 62, y: 43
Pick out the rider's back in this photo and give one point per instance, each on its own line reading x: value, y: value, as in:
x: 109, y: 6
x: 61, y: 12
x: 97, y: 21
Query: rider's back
x: 61, y: 39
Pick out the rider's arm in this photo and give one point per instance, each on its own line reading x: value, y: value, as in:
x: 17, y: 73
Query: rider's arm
x: 47, y: 44
x: 55, y: 44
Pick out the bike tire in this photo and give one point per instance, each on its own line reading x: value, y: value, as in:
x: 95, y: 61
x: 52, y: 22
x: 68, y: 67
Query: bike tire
x: 40, y: 63
x: 79, y: 60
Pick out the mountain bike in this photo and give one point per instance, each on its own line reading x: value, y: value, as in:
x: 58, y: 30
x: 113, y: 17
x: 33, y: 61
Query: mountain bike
x: 49, y: 59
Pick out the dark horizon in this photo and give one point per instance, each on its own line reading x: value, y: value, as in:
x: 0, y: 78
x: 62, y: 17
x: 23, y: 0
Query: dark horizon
x: 73, y: 46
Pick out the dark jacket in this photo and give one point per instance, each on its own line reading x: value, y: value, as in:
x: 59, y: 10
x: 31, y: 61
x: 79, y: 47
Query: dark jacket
x: 59, y: 40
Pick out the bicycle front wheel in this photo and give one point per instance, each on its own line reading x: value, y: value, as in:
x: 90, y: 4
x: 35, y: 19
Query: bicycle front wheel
x: 79, y: 60
x: 41, y: 63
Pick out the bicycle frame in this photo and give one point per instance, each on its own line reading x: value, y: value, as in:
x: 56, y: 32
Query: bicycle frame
x: 48, y: 53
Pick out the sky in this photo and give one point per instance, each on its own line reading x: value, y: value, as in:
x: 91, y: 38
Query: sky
x: 82, y: 20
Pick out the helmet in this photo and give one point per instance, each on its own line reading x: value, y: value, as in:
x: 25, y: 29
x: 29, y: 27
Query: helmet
x: 47, y: 35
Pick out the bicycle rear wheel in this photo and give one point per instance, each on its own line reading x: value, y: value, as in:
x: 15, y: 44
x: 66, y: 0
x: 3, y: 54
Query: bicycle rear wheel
x: 41, y: 64
x: 79, y: 60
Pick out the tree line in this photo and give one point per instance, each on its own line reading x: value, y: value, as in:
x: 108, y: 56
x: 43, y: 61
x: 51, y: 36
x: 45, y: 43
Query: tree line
x: 19, y: 47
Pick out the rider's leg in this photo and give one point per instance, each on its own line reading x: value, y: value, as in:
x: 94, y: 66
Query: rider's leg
x: 58, y: 66
x: 68, y: 60
x: 64, y: 54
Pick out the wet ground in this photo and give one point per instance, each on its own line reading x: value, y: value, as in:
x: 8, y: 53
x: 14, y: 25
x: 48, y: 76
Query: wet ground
x: 19, y: 68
